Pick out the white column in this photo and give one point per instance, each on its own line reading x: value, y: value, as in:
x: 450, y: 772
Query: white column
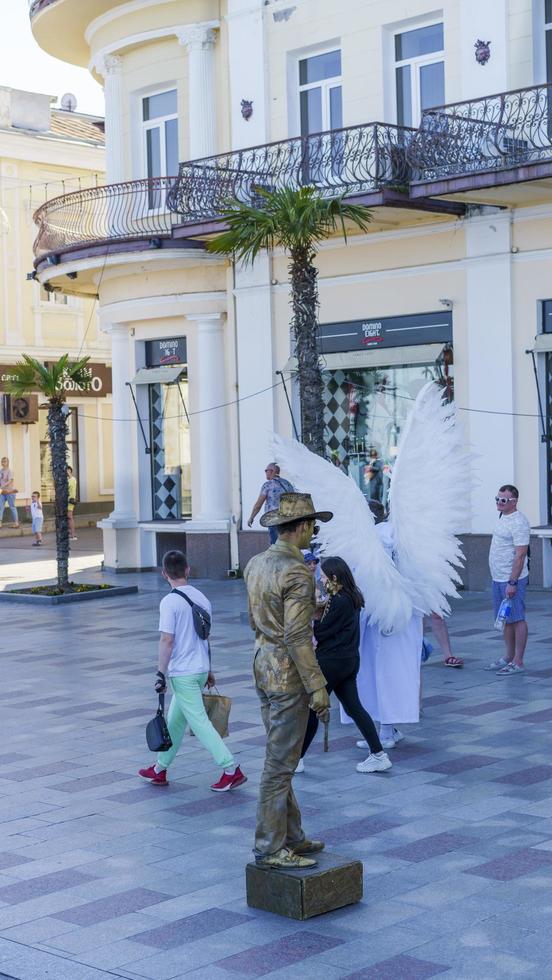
x: 124, y: 430
x: 199, y: 41
x: 209, y: 437
x: 490, y: 421
x: 110, y: 66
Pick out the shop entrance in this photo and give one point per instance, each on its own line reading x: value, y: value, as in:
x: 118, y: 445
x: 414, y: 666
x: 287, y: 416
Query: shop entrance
x: 365, y: 410
x: 170, y: 451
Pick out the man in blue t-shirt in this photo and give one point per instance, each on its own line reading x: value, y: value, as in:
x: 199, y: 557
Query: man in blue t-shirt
x: 270, y: 493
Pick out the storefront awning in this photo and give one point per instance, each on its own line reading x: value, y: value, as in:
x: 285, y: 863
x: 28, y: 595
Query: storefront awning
x: 165, y: 374
x: 384, y: 357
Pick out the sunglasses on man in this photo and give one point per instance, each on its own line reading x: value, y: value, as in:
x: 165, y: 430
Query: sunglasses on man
x: 504, y: 500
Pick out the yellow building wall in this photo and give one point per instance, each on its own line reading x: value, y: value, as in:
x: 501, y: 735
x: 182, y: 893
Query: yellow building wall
x: 31, y: 323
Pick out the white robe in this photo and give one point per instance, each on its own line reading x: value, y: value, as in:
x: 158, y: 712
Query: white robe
x: 388, y: 681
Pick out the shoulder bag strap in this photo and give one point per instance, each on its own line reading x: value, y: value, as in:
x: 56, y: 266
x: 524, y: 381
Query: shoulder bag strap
x: 190, y: 603
x: 161, y: 705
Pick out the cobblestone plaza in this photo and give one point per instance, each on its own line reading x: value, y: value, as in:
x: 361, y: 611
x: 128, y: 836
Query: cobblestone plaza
x: 102, y: 875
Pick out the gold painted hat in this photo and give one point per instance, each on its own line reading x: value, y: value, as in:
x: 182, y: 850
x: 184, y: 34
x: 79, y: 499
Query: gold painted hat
x: 294, y: 507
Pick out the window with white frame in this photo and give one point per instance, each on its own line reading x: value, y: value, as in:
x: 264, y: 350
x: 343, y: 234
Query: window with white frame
x: 320, y: 102
x: 419, y: 72
x: 160, y: 139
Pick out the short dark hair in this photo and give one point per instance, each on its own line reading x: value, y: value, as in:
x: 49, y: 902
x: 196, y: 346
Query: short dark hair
x: 35, y: 493
x: 510, y: 488
x: 175, y: 564
x: 70, y: 468
x: 378, y: 510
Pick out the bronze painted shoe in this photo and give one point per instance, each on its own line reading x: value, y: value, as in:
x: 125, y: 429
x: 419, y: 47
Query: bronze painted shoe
x: 284, y: 858
x: 308, y: 846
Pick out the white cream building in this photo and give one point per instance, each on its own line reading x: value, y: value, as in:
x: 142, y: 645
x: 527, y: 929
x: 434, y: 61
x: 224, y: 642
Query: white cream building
x: 458, y: 255
x: 47, y: 151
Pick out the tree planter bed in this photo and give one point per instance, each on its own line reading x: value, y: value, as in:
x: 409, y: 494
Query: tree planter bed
x: 39, y: 594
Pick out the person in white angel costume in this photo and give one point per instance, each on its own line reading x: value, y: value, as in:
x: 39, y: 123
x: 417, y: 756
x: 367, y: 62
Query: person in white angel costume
x: 406, y: 566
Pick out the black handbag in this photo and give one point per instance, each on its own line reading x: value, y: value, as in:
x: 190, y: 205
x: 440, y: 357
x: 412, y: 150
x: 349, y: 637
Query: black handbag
x: 157, y: 733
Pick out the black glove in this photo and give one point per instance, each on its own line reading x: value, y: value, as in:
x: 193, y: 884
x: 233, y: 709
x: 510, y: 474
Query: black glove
x: 160, y: 683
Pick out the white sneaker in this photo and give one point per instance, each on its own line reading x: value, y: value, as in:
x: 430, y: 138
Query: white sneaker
x: 390, y: 743
x: 375, y: 763
x: 497, y: 664
x: 362, y: 744
x: 300, y: 766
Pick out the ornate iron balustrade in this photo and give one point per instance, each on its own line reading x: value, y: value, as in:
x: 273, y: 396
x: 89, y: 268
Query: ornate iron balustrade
x: 130, y: 211
x: 495, y: 132
x: 356, y: 160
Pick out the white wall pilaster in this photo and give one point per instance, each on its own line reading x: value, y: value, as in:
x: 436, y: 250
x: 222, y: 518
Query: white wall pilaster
x: 199, y: 41
x: 110, y: 66
x: 209, y: 435
x: 489, y: 421
x: 124, y: 429
x: 486, y: 21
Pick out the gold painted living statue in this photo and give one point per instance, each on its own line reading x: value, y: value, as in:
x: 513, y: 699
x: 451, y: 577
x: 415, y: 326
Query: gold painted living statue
x: 287, y: 676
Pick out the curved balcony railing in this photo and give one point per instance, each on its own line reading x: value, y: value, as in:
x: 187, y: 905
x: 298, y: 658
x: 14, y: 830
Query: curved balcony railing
x: 130, y: 211
x: 495, y: 132
x: 356, y: 160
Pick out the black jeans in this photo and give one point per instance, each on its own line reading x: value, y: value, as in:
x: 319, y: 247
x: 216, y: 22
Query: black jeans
x: 341, y: 678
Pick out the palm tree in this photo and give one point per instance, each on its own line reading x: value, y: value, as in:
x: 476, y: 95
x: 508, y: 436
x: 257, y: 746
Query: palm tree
x: 29, y: 375
x: 296, y: 220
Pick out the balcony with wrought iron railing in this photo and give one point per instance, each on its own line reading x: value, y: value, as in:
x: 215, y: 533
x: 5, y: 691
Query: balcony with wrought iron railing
x: 359, y: 161
x: 497, y: 139
x: 460, y: 152
x: 105, y: 218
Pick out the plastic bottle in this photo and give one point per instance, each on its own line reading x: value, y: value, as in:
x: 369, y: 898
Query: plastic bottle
x: 503, y: 614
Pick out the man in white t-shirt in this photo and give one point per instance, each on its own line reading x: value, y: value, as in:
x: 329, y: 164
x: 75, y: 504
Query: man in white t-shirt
x: 184, y: 658
x: 508, y: 561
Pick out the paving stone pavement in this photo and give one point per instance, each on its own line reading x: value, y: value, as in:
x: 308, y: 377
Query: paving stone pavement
x: 102, y: 875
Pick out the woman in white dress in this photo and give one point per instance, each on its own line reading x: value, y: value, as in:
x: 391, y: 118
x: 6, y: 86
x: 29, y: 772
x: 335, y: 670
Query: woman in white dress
x: 388, y: 681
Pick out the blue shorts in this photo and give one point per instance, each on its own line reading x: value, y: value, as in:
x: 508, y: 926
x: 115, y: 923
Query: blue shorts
x: 517, y: 614
x: 37, y: 525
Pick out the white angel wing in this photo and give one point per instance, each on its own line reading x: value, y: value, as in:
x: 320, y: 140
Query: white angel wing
x: 351, y: 533
x: 429, y: 499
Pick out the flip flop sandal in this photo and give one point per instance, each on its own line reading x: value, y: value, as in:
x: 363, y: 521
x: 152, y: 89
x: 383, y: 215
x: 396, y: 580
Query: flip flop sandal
x: 453, y: 662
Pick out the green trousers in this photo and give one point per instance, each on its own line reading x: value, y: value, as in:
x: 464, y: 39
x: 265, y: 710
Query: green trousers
x: 187, y: 708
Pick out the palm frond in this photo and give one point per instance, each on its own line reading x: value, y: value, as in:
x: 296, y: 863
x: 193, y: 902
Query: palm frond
x: 289, y: 218
x: 31, y: 375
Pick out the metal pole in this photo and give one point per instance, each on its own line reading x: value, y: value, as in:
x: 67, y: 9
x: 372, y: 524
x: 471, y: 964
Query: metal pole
x: 289, y: 405
x: 148, y: 448
x: 544, y: 426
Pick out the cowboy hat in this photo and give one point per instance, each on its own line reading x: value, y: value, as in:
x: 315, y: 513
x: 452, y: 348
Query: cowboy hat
x: 294, y: 507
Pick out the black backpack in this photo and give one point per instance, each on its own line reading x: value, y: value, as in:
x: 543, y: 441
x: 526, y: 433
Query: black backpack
x: 200, y: 616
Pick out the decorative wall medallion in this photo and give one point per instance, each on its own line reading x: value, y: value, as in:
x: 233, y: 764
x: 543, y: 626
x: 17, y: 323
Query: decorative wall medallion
x: 482, y: 51
x: 283, y: 15
x: 247, y: 108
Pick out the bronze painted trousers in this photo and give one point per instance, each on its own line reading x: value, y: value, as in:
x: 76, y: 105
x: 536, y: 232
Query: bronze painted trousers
x: 285, y: 717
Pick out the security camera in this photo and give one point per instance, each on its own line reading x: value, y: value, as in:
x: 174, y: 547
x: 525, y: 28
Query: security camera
x: 447, y: 303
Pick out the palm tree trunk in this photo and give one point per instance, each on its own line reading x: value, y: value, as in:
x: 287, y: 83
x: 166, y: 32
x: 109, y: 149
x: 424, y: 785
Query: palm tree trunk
x: 304, y: 301
x: 57, y: 431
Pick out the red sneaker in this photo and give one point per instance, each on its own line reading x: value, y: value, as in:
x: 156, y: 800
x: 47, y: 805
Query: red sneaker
x: 228, y: 781
x: 155, y: 778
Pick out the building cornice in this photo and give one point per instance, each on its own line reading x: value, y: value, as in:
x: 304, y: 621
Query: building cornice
x: 178, y: 31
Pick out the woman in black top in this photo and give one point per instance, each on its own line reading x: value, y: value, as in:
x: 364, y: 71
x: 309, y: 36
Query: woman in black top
x: 338, y: 638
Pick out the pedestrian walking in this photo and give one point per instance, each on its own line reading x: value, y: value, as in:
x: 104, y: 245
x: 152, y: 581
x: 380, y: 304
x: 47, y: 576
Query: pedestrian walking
x: 509, y: 565
x: 280, y: 591
x: 184, y: 659
x: 270, y: 493
x: 337, y: 635
x: 8, y: 491
x: 440, y: 629
x: 37, y: 518
x: 71, y: 501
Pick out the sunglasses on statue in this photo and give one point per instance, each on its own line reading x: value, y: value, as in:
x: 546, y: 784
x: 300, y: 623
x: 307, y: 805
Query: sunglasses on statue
x: 504, y: 500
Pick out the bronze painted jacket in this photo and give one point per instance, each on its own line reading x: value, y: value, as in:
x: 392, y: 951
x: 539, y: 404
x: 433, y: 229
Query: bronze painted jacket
x: 281, y: 607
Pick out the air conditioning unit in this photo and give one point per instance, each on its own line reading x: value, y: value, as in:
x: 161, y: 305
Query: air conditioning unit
x: 23, y: 410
